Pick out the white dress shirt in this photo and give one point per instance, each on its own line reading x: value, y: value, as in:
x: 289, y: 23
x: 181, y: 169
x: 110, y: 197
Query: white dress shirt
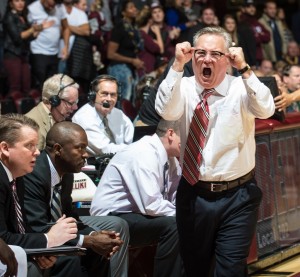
x: 98, y: 141
x: 230, y: 144
x: 133, y: 181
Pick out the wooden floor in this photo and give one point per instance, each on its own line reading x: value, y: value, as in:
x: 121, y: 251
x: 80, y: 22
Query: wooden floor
x: 288, y: 268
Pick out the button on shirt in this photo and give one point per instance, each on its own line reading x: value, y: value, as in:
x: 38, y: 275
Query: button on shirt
x: 133, y: 181
x: 230, y: 145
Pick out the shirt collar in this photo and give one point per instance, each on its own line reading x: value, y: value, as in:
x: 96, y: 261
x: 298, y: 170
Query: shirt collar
x: 221, y: 89
x: 162, y: 153
x: 55, y: 178
x: 9, y: 175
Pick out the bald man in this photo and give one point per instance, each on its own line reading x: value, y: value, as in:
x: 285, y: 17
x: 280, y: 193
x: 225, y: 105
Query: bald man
x: 65, y: 154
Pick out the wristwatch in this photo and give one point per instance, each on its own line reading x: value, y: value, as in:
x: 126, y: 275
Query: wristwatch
x: 243, y: 70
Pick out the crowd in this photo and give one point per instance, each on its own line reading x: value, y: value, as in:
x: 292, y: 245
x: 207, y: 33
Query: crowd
x: 128, y: 40
x: 163, y: 189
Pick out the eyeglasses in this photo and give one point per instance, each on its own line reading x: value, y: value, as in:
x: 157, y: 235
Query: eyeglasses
x: 70, y: 104
x: 200, y: 54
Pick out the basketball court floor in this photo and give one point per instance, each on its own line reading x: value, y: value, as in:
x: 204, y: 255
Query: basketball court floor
x: 287, y: 268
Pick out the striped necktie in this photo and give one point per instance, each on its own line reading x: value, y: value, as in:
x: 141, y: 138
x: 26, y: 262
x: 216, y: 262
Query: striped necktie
x: 17, y: 207
x: 56, y: 204
x: 108, y: 130
x: 165, y: 191
x: 196, y: 140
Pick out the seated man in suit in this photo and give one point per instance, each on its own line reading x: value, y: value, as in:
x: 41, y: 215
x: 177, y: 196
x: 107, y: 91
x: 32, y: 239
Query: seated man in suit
x: 13, y: 260
x: 108, y: 129
x: 139, y: 185
x: 48, y: 195
x: 18, y: 153
x: 59, y: 101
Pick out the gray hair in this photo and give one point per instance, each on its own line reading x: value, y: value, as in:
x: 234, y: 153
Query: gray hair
x: 53, y: 86
x: 164, y: 125
x: 219, y: 31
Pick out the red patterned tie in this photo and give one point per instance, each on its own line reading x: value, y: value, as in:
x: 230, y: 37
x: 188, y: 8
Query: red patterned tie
x: 196, y: 140
x: 17, y: 208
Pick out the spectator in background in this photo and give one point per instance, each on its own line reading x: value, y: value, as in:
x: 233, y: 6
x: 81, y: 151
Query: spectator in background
x: 176, y: 17
x: 59, y: 101
x: 123, y: 47
x: 293, y: 53
x: 261, y: 34
x: 108, y: 129
x: 241, y: 37
x: 139, y: 185
x: 266, y: 68
x: 191, y: 11
x: 295, y: 25
x: 98, y: 36
x: 169, y: 33
x: 79, y: 64
x: 287, y: 33
x: 45, y: 48
x: 276, y: 47
x: 153, y: 47
x: 291, y: 78
x: 18, y: 34
x: 206, y: 18
x: 2, y: 13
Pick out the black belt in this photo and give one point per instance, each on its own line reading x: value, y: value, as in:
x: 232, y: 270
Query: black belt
x: 224, y: 185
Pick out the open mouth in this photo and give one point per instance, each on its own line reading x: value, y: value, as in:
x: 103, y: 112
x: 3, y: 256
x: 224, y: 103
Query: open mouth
x: 206, y: 72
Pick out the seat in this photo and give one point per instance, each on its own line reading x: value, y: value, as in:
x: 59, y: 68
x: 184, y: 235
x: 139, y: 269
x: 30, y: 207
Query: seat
x: 8, y: 106
x: 128, y: 109
x: 25, y: 104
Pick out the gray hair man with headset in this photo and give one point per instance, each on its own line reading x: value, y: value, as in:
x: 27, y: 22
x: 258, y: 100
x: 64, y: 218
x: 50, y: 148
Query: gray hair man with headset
x: 108, y: 129
x: 59, y: 101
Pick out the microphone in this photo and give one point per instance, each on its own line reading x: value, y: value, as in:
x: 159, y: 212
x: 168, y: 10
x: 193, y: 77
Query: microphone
x: 104, y: 104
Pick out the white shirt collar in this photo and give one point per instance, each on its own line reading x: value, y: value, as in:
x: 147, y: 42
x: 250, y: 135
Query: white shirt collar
x: 9, y: 175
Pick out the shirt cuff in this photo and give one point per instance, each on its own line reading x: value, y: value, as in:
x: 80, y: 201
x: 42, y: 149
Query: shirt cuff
x: 80, y: 241
x: 47, y: 240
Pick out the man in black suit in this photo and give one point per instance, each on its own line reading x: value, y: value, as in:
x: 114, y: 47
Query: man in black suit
x: 18, y: 152
x: 65, y: 154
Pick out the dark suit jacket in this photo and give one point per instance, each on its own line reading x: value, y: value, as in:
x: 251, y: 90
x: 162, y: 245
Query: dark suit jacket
x: 38, y: 195
x: 8, y: 219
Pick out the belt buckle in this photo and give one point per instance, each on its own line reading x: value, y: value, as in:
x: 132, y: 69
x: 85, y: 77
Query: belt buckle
x: 215, y: 187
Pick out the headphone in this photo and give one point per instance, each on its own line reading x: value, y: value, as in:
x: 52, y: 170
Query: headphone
x: 55, y: 100
x: 94, y: 84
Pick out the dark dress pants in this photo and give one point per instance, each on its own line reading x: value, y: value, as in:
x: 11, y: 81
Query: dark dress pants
x: 146, y: 230
x: 43, y: 67
x: 216, y: 228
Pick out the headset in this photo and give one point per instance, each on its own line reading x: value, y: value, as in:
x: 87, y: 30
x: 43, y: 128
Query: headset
x: 55, y: 100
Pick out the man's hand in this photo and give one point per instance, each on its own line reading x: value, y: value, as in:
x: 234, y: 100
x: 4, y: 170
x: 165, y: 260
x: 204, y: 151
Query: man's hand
x: 45, y: 262
x: 64, y: 230
x: 105, y: 243
x: 236, y: 57
x: 7, y: 257
x: 183, y: 53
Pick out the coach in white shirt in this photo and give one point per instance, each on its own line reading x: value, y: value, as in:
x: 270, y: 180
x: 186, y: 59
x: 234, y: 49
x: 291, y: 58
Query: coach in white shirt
x: 139, y: 185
